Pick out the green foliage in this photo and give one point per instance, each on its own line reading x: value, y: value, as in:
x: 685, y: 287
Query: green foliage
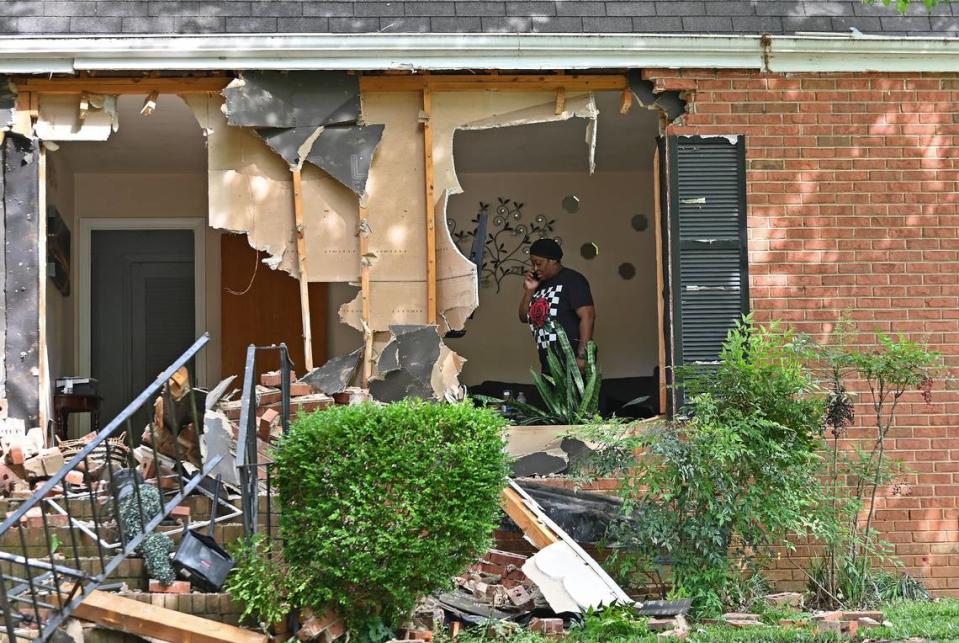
x: 711, y: 490
x: 570, y: 396
x: 929, y: 620
x: 136, y: 510
x: 259, y: 582
x: 382, y: 504
x: 902, y: 6
x: 848, y: 574
x: 615, y: 624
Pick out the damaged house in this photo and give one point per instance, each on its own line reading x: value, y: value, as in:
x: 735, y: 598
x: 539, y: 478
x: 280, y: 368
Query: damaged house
x: 339, y: 175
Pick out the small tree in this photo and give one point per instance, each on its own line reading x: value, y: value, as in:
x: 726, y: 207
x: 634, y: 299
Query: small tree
x: 887, y: 371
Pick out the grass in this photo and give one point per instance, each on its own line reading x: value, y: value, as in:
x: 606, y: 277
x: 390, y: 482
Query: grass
x: 918, y: 620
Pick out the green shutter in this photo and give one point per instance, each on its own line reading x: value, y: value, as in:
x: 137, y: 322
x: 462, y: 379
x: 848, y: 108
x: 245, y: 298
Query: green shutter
x: 709, y: 282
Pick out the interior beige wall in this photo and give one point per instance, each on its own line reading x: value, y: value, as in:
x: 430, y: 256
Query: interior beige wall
x: 60, y: 309
x: 496, y: 344
x: 156, y: 195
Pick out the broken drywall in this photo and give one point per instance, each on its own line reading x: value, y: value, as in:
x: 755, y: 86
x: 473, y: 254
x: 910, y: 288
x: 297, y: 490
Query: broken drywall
x: 251, y: 191
x: 89, y: 117
x: 293, y: 99
x: 336, y: 375
x: 308, y: 115
x: 416, y: 363
x: 396, y: 202
x: 21, y: 229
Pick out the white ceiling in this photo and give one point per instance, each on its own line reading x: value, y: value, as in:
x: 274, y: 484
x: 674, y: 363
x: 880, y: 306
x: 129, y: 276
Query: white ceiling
x: 171, y: 141
x: 168, y: 141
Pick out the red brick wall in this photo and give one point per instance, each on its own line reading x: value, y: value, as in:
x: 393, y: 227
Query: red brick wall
x: 852, y: 191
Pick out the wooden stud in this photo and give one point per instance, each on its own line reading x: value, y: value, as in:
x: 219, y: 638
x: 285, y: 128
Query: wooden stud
x: 431, y: 312
x: 46, y: 403
x: 500, y: 82
x: 560, y: 100
x: 143, y: 619
x: 626, y: 103
x: 538, y: 533
x: 122, y: 85
x: 365, y: 299
x: 660, y: 281
x: 301, y: 264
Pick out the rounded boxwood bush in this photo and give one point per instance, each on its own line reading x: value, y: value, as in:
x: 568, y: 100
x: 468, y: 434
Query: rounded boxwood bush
x: 383, y: 504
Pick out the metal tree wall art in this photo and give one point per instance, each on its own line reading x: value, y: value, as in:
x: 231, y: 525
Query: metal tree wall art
x: 508, y: 237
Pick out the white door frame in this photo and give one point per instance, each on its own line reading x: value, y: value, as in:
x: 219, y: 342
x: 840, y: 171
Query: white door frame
x: 84, y: 264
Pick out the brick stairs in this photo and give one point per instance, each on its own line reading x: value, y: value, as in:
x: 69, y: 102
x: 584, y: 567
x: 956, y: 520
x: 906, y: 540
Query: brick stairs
x: 131, y: 572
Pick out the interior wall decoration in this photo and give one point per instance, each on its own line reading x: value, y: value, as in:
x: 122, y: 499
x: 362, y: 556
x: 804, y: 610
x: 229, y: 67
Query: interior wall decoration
x: 508, y: 237
x: 640, y: 222
x: 627, y: 271
x: 571, y: 204
x: 589, y: 250
x: 58, y: 251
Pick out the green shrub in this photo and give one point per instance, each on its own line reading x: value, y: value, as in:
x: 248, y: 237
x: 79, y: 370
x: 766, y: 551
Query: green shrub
x: 258, y: 582
x: 712, y: 490
x: 383, y: 504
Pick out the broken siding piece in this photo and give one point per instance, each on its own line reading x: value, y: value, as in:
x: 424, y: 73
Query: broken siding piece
x: 251, y: 192
x: 69, y: 118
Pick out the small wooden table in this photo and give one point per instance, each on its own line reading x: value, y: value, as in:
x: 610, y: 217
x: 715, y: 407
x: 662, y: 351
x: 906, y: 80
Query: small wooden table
x: 64, y: 405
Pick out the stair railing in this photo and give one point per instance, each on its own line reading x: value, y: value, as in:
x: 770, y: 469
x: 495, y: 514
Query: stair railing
x: 40, y: 587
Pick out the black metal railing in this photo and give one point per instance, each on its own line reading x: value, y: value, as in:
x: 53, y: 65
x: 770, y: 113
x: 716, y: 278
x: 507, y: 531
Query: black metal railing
x: 43, y: 580
x: 255, y: 468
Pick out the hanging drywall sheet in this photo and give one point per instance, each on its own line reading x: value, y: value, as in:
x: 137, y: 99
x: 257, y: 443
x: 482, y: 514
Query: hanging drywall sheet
x: 292, y: 143
x: 251, y: 191
x: 396, y: 212
x: 60, y: 118
x: 19, y: 183
x: 346, y: 154
x: 293, y: 99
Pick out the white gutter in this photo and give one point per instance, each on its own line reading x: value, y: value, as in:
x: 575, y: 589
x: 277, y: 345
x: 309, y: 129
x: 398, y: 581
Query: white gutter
x: 803, y: 52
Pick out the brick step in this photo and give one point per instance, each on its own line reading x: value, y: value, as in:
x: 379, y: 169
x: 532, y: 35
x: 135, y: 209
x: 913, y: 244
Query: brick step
x: 35, y: 539
x: 130, y: 571
x: 216, y: 607
x: 81, y: 509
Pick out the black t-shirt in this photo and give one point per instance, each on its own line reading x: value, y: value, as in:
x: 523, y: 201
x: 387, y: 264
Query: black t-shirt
x: 555, y: 302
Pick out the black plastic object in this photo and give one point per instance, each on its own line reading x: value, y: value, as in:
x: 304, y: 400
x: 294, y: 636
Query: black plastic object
x: 199, y: 559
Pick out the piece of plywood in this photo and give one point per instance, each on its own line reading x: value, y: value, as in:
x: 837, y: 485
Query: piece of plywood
x: 144, y: 619
x: 532, y: 525
x: 494, y: 82
x: 266, y: 312
x: 60, y: 119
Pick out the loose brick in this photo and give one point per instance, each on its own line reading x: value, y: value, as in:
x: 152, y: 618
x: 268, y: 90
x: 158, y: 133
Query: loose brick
x: 176, y: 587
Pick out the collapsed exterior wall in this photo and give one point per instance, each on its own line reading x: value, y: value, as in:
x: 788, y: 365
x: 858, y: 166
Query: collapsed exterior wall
x: 852, y: 182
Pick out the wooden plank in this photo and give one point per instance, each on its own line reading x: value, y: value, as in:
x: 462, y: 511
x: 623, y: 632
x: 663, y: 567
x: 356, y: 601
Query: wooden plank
x: 301, y: 264
x: 430, y: 207
x: 538, y: 533
x: 143, y: 619
x: 494, y: 82
x: 123, y: 85
x: 660, y: 281
x: 365, y: 299
x: 560, y: 101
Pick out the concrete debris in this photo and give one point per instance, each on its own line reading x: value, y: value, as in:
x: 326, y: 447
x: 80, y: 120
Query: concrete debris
x: 786, y: 599
x: 327, y: 626
x: 739, y: 619
x: 217, y: 440
x: 336, y: 375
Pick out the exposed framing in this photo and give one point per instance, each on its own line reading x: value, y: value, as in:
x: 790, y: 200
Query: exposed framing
x: 85, y: 228
x: 31, y: 88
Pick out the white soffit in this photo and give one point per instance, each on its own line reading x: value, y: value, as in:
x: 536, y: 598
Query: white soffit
x: 797, y: 53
